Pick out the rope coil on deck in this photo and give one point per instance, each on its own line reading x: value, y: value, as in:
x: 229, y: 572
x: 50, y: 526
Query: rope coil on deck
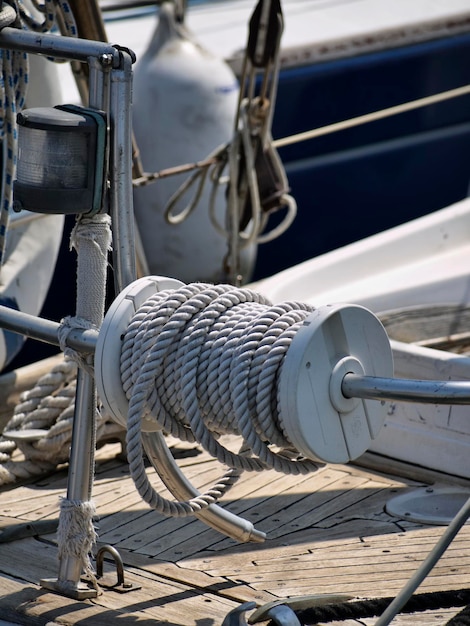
x: 47, y: 407
x: 202, y: 361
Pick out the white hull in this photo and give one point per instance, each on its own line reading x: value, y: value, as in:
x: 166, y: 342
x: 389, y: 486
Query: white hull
x: 412, y: 268
x: 426, y: 261
x: 314, y: 31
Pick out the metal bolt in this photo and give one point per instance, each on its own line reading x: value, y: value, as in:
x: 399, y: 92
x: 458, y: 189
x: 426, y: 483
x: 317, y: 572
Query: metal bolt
x: 106, y: 60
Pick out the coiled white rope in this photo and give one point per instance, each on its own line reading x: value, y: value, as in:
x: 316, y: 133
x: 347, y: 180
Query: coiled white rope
x: 48, y: 406
x: 202, y: 361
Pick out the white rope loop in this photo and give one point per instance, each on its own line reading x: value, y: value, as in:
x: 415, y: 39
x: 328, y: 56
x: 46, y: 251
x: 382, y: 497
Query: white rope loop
x: 252, y: 116
x: 202, y: 361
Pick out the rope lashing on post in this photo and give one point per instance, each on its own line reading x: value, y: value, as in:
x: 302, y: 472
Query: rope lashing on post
x: 91, y: 237
x: 76, y: 534
x: 203, y: 361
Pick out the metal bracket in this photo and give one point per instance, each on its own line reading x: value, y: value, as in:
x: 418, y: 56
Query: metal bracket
x: 120, y: 585
x: 76, y: 591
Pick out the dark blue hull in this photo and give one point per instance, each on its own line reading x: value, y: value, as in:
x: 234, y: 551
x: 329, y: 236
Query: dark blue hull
x: 360, y: 181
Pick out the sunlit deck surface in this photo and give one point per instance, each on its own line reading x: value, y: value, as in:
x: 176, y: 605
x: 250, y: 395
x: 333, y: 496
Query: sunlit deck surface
x: 327, y: 533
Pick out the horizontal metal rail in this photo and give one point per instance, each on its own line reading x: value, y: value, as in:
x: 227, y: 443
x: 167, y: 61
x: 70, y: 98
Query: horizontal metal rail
x: 353, y: 385
x: 72, y: 48
x: 46, y: 331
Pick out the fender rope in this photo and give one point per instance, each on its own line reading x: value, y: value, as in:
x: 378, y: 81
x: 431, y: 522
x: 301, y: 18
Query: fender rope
x: 202, y: 361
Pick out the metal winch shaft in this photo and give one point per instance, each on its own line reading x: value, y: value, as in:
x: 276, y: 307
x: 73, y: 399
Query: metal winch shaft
x: 353, y: 385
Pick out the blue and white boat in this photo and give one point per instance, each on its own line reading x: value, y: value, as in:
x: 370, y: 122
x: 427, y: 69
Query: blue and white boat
x: 284, y: 389
x: 342, y: 60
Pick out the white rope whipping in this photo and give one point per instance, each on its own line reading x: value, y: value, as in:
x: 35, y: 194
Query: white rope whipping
x: 91, y: 237
x: 76, y: 534
x: 202, y: 361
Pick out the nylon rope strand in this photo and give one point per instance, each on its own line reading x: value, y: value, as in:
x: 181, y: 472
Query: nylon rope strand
x: 48, y: 406
x: 13, y: 88
x: 202, y: 361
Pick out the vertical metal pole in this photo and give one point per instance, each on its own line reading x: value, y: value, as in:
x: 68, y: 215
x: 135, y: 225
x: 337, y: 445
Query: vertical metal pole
x: 110, y: 90
x: 81, y: 468
x: 98, y: 82
x: 120, y: 197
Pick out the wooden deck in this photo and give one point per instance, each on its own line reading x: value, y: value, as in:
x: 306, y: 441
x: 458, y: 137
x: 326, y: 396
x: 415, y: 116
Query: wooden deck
x: 327, y: 534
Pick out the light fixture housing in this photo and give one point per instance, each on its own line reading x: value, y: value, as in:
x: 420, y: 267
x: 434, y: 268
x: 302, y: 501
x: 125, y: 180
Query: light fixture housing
x: 61, y: 160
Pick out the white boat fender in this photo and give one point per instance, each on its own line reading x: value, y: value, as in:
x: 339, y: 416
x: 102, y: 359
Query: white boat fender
x: 185, y: 100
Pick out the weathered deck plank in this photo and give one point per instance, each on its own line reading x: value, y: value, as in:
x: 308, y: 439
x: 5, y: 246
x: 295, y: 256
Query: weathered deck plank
x: 327, y: 533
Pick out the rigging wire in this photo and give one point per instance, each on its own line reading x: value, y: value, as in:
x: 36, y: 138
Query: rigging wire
x: 367, y: 118
x: 372, y: 117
